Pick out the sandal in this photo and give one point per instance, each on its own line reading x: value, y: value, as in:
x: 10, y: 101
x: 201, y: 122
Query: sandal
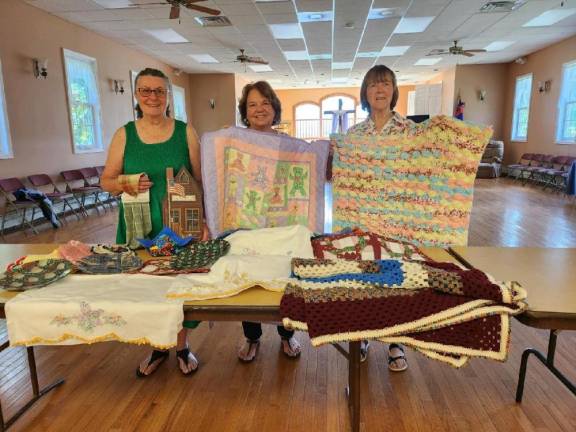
x: 291, y: 348
x: 156, y: 359
x: 364, y: 345
x: 249, y: 350
x: 189, y: 360
x: 392, y: 360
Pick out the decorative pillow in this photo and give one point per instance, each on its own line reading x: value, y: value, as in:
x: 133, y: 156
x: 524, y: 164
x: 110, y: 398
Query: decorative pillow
x: 416, y: 187
x: 292, y: 241
x: 360, y: 245
x: 258, y: 180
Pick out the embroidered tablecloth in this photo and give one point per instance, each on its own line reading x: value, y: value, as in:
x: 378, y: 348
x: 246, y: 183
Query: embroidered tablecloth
x: 416, y: 187
x: 256, y: 180
x: 443, y: 311
x: 88, y: 309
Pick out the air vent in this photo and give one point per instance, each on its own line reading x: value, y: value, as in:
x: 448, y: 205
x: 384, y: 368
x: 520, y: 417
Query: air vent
x: 213, y: 21
x: 501, y: 6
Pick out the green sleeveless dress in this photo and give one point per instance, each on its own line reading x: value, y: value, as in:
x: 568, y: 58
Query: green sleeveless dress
x: 153, y: 159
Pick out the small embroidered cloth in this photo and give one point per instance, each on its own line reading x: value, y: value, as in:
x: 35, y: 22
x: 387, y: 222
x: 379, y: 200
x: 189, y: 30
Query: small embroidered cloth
x: 35, y: 274
x: 255, y: 180
x: 88, y: 309
x: 200, y: 255
x: 292, y: 241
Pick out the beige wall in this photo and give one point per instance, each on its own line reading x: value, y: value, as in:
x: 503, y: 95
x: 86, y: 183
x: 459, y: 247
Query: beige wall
x: 545, y: 64
x: 290, y: 98
x: 447, y: 78
x: 492, y: 78
x: 221, y: 88
x: 37, y: 108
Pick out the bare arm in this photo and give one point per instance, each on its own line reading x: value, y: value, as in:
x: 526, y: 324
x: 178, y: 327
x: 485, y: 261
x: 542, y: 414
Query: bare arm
x: 114, y: 166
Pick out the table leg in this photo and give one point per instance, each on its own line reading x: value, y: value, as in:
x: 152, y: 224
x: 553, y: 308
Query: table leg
x: 37, y: 393
x: 353, y: 390
x: 547, y: 361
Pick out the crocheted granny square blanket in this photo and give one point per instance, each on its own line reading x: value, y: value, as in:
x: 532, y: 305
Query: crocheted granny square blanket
x: 417, y: 186
x: 257, y: 180
x: 443, y: 311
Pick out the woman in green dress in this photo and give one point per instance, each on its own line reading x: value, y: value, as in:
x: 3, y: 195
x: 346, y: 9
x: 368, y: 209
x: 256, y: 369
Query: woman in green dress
x: 149, y: 145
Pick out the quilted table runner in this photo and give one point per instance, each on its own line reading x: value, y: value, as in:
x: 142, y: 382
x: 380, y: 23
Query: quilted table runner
x: 443, y: 311
x: 416, y: 187
x: 88, y: 309
x: 256, y: 180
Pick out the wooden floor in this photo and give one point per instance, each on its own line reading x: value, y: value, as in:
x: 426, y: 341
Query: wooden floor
x: 101, y: 392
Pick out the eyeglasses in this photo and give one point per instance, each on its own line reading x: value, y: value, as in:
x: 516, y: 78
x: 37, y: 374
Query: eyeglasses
x: 147, y: 92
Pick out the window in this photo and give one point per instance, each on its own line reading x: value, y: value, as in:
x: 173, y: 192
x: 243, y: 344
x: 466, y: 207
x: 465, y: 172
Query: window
x: 179, y: 104
x: 5, y: 141
x: 331, y: 103
x: 192, y: 219
x: 361, y: 114
x: 521, y: 108
x: 83, y: 102
x: 307, y: 120
x: 566, y: 126
x: 175, y: 216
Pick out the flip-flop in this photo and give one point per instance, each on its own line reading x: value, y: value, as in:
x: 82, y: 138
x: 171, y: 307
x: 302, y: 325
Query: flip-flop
x: 251, y: 344
x: 292, y: 354
x: 186, y: 356
x: 364, y: 345
x: 156, y: 356
x: 392, y: 359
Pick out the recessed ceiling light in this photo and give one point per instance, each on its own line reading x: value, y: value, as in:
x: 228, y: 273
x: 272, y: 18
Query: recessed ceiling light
x: 340, y: 79
x: 167, y: 35
x: 369, y: 54
x: 391, y: 51
x: 498, y: 45
x: 321, y: 57
x: 260, y: 68
x: 413, y: 24
x: 115, y: 4
x: 203, y: 58
x: 342, y: 65
x: 296, y: 55
x: 549, y: 17
x: 428, y: 61
x: 286, y: 31
x: 315, y: 16
x: 382, y: 13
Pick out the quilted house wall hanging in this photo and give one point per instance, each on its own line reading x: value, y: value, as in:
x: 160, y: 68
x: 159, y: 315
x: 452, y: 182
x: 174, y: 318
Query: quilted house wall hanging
x: 415, y: 187
x: 256, y: 180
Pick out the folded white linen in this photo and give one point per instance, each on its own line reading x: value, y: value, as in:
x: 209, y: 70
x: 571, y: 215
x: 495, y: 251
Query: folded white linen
x: 233, y: 274
x: 88, y: 309
x: 292, y: 241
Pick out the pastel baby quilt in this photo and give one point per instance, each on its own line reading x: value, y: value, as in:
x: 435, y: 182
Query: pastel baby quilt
x: 258, y: 180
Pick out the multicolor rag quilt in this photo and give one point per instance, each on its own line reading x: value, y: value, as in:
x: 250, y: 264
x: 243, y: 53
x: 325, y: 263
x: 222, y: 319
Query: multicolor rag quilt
x: 256, y: 180
x: 416, y: 186
x: 443, y: 311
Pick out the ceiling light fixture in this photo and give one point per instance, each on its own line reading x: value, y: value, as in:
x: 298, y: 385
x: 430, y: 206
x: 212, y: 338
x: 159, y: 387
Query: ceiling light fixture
x: 429, y: 61
x: 498, y: 45
x: 413, y: 24
x: 550, y: 17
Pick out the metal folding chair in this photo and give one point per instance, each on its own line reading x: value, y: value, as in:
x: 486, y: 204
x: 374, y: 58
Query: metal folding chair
x: 76, y: 184
x: 13, y: 206
x: 55, y: 195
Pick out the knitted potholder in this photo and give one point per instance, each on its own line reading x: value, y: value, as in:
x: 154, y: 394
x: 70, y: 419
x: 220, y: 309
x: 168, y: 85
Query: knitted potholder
x: 200, y: 254
x: 109, y: 263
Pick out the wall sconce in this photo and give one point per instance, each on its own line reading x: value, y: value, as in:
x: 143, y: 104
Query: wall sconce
x: 481, y: 95
x: 520, y: 60
x: 40, y: 67
x: 118, y: 86
x: 212, y: 103
x: 177, y: 72
x: 544, y: 86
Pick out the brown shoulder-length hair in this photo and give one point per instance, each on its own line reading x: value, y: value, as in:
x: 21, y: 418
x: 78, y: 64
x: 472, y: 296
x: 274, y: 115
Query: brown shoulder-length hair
x: 378, y: 73
x: 154, y: 73
x: 265, y: 90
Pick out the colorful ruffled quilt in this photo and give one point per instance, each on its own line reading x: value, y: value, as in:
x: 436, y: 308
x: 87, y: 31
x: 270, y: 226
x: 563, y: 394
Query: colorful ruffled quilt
x: 443, y: 311
x: 257, y: 180
x: 416, y: 187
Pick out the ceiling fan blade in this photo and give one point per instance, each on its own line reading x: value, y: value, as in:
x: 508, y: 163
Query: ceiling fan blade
x: 175, y: 12
x: 437, y: 52
x: 257, y: 60
x: 467, y: 54
x: 476, y: 50
x: 204, y: 9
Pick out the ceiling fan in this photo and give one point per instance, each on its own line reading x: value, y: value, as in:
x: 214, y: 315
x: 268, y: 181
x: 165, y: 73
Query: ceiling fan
x: 243, y: 58
x: 455, y: 50
x: 189, y: 4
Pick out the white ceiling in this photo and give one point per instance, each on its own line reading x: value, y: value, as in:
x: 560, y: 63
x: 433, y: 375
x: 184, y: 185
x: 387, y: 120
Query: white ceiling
x: 346, y: 36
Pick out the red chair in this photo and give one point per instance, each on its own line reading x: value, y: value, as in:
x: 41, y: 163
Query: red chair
x: 42, y: 180
x: 76, y: 184
x: 13, y: 206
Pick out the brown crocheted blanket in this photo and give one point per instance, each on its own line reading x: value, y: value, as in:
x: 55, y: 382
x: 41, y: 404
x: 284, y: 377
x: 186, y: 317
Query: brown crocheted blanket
x: 439, y: 309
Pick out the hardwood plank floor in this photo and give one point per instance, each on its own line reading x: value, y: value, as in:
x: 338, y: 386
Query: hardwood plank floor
x: 274, y: 393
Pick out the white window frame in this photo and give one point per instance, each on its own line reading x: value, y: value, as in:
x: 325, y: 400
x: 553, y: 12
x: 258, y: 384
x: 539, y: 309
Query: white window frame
x: 179, y: 92
x: 563, y: 103
x: 5, y: 138
x: 96, y: 107
x: 515, y: 110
